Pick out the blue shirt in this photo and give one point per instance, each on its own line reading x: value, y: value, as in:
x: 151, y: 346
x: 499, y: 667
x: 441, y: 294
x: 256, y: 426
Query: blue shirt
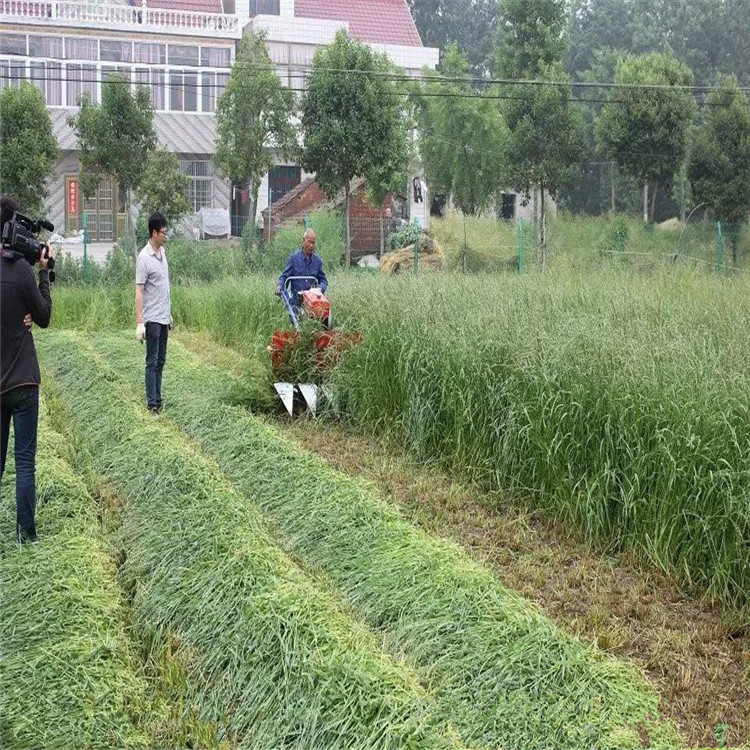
x: 298, y: 265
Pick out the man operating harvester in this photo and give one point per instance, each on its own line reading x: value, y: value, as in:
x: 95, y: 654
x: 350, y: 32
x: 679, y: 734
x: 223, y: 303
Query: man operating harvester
x: 303, y: 262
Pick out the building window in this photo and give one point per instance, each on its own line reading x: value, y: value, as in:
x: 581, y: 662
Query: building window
x: 45, y: 46
x: 81, y: 78
x: 183, y: 91
x: 13, y: 44
x: 216, y: 57
x: 148, y: 52
x: 157, y: 89
x: 47, y: 77
x: 12, y: 73
x: 282, y: 179
x: 80, y: 48
x: 213, y: 85
x: 264, y: 7
x: 200, y: 190
x: 208, y: 92
x: 180, y: 54
x: 116, y: 51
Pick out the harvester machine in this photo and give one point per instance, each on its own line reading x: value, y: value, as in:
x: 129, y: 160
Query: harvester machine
x: 317, y: 346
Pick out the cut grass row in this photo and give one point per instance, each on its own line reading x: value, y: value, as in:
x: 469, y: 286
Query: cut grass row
x: 270, y: 658
x: 502, y: 672
x: 68, y: 674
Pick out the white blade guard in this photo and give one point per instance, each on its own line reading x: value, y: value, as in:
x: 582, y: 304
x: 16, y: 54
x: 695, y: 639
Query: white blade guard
x: 310, y: 394
x: 286, y: 394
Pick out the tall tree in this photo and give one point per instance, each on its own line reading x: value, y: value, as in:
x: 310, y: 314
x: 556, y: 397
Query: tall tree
x: 28, y: 147
x: 719, y: 168
x: 546, y: 139
x: 163, y: 187
x: 470, y: 26
x: 115, y: 137
x: 463, y: 136
x: 389, y: 174
x: 254, y: 119
x: 531, y: 37
x: 350, y: 116
x: 646, y: 129
x: 546, y: 131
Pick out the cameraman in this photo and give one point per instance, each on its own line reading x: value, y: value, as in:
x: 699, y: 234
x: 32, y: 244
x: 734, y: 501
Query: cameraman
x: 19, y: 368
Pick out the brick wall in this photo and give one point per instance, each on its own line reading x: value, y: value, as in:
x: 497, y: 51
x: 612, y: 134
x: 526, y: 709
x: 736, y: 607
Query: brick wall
x: 364, y: 222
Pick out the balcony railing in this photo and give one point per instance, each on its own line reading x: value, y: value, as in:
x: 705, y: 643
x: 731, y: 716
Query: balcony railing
x: 111, y: 17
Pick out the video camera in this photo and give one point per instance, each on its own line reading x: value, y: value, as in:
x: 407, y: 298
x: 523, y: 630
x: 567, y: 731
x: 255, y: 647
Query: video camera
x: 19, y: 236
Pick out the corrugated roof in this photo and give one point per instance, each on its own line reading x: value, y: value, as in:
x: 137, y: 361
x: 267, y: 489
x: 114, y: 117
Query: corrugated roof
x: 375, y: 21
x: 181, y: 132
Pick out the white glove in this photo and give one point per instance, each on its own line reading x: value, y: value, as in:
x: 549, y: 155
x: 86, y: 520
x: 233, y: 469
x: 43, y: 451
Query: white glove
x: 140, y: 332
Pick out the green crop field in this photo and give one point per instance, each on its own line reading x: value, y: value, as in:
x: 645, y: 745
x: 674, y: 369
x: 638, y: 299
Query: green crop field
x: 220, y: 586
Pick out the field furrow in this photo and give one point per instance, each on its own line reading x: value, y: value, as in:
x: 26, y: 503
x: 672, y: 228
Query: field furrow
x: 505, y: 675
x: 270, y: 658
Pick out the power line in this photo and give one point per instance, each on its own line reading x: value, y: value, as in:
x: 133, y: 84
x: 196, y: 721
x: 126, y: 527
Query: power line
x: 399, y: 93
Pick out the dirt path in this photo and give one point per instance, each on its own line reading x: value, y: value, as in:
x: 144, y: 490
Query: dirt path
x: 700, y: 666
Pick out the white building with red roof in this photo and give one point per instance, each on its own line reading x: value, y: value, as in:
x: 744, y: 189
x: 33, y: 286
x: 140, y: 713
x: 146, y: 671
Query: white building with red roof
x: 182, y: 50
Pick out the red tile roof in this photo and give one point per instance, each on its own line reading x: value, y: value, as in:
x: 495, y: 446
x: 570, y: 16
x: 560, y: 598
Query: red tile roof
x: 375, y: 21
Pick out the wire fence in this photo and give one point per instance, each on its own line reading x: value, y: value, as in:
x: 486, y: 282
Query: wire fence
x: 454, y: 243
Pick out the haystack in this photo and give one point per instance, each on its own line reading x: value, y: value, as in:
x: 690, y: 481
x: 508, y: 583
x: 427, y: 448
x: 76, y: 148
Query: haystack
x: 431, y: 257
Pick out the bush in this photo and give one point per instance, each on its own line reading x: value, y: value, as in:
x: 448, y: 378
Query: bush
x: 405, y: 236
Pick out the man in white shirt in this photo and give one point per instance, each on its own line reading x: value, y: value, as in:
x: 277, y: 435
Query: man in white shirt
x: 153, y: 307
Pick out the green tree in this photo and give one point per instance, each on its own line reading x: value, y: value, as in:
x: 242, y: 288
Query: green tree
x: 546, y: 140
x: 470, y: 26
x: 532, y: 35
x: 254, y: 119
x: 463, y: 136
x: 389, y: 174
x: 115, y: 137
x: 646, y: 129
x: 351, y: 115
x: 163, y: 187
x: 719, y: 167
x: 28, y: 148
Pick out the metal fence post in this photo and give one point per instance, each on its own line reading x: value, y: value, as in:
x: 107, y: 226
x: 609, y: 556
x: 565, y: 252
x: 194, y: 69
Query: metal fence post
x: 520, y: 245
x: 85, y: 244
x: 719, y: 247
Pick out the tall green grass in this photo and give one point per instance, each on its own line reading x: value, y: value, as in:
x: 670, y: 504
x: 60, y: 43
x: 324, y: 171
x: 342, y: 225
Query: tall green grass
x: 271, y: 659
x: 617, y: 402
x: 68, y: 675
x: 503, y: 673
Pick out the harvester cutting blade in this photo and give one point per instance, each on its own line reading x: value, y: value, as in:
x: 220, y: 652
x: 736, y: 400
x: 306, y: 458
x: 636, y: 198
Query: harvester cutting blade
x: 286, y: 394
x: 310, y: 394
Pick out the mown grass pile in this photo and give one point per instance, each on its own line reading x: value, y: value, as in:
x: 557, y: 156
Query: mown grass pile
x: 505, y: 675
x: 68, y: 675
x: 271, y: 659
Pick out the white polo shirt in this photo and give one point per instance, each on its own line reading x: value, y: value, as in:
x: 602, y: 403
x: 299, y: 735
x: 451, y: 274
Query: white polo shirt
x: 152, y: 272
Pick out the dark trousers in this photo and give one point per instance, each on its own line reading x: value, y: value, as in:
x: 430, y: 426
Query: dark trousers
x: 156, y: 356
x: 22, y: 404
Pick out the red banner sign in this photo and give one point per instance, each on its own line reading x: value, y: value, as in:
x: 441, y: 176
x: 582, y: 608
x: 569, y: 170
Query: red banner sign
x: 73, y: 197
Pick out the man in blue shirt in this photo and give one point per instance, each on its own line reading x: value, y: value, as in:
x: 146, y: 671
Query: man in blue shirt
x: 303, y: 262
